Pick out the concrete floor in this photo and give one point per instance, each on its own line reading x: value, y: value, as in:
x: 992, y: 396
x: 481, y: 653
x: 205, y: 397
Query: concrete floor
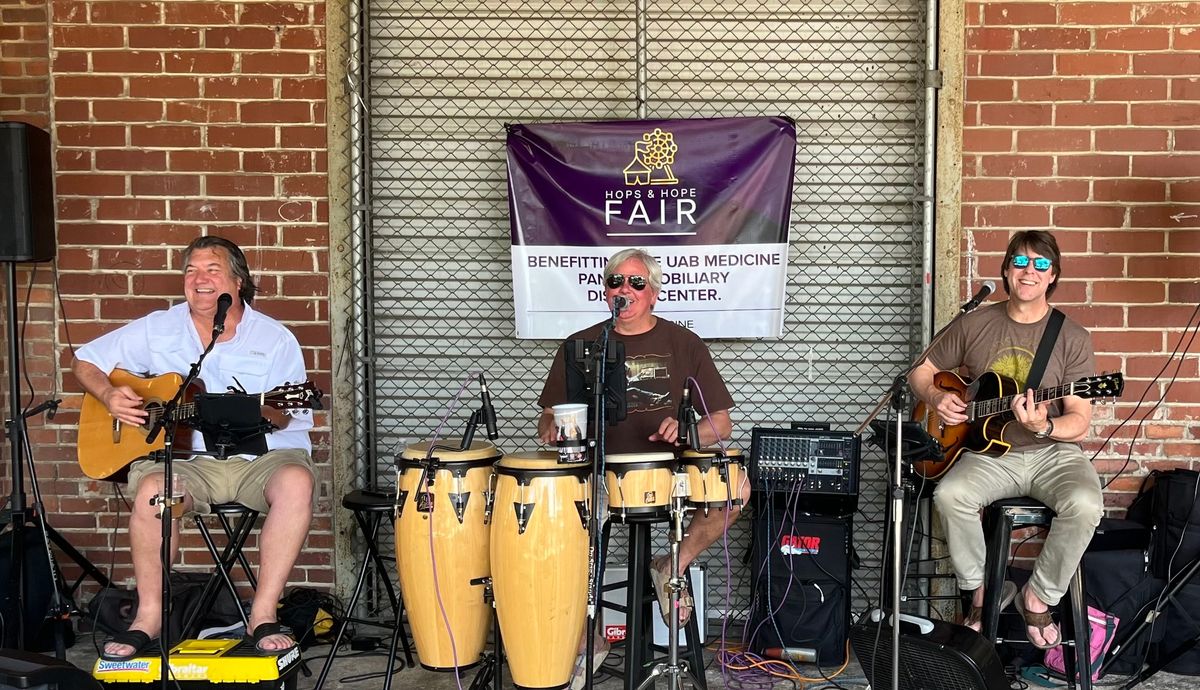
x: 363, y: 671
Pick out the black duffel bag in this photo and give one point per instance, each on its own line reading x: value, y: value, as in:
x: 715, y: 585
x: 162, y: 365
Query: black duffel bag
x: 1169, y: 503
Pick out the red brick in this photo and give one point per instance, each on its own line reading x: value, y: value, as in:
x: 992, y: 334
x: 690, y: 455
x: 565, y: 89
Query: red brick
x: 1162, y: 267
x: 276, y: 63
x: 1184, y: 190
x: 1187, y: 140
x: 990, y: 39
x: 73, y: 209
x: 989, y: 90
x: 1129, y: 190
x: 1056, y: 39
x: 163, y: 87
x: 240, y: 185
x: 131, y: 159
x: 1161, y: 316
x: 201, y: 111
x: 1173, y: 114
x: 1096, y: 13
x: 240, y: 38
x: 91, y: 136
x: 241, y: 137
x: 1128, y: 341
x: 1089, y: 216
x: 70, y: 61
x: 1126, y: 291
x: 165, y: 185
x: 130, y: 209
x: 167, y: 37
x: 210, y: 210
x: 76, y: 36
x: 1052, y: 190
x: 163, y: 233
x: 196, y: 12
x: 979, y: 189
x: 199, y: 62
x: 1183, y: 64
x: 1049, y: 139
x: 1093, y: 166
x: 127, y: 111
x: 312, y: 88
x: 1131, y: 139
x: 127, y: 62
x: 273, y: 14
x: 1054, y: 89
x: 165, y: 284
x: 1092, y: 63
x: 1015, y: 14
x: 92, y: 233
x: 1185, y: 90
x: 1186, y: 38
x: 292, y: 211
x: 302, y: 137
x: 1014, y: 216
x: 1166, y: 216
x: 1095, y: 266
x: 1080, y: 114
x: 302, y: 38
x: 163, y: 136
x: 89, y: 185
x: 1099, y: 317
x: 239, y: 87
x: 1178, y: 165
x: 68, y: 86
x: 987, y: 140
x: 1140, y: 39
x: 277, y: 162
x: 1018, y: 166
x: 1152, y: 367
x: 1015, y: 114
x: 305, y: 185
x: 1168, y: 13
x: 1186, y: 292
x: 91, y: 284
x: 125, y: 13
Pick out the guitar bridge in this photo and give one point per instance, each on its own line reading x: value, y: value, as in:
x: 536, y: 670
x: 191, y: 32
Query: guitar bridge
x: 116, y: 430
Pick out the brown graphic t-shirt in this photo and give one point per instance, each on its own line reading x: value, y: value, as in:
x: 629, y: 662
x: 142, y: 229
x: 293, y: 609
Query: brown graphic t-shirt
x: 987, y: 339
x: 657, y: 366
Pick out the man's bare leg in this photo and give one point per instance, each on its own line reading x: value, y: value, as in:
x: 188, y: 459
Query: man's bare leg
x: 289, y: 495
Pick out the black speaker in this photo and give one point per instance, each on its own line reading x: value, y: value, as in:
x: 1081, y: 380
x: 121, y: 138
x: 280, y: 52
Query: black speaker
x: 26, y: 670
x: 26, y: 194
x: 934, y: 655
x: 801, y: 564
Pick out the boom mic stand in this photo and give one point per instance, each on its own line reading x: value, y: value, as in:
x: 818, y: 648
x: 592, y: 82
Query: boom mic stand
x: 166, y: 423
x: 898, y: 396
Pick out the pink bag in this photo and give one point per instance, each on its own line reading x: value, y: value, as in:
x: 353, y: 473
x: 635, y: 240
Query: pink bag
x: 1103, y: 630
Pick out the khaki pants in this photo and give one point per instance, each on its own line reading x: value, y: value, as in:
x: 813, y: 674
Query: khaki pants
x: 1058, y: 475
x: 234, y: 479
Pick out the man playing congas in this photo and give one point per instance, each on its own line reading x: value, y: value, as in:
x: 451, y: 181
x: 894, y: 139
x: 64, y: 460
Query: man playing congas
x: 660, y: 356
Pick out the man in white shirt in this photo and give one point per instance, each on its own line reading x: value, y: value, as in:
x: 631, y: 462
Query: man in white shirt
x: 254, y: 354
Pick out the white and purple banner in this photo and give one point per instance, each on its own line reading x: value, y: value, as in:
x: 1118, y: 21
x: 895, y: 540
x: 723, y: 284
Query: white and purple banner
x: 710, y: 199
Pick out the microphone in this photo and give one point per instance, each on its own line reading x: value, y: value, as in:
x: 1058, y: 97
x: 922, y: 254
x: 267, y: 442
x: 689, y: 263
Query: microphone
x: 684, y: 418
x: 223, y: 304
x: 489, y: 412
x: 986, y: 289
x: 620, y: 303
x: 804, y: 654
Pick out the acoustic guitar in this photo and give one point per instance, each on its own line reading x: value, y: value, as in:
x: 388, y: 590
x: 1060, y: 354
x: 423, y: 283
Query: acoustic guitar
x: 107, y: 445
x: 989, y: 412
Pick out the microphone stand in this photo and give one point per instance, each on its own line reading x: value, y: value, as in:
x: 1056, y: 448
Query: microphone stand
x: 166, y: 501
x: 595, y: 550
x: 898, y: 396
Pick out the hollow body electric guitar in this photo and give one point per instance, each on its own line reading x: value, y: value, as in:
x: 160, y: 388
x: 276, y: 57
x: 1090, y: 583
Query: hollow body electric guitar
x: 107, y: 445
x: 989, y: 412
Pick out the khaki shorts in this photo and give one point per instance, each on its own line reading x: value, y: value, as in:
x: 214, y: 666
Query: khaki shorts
x: 209, y: 480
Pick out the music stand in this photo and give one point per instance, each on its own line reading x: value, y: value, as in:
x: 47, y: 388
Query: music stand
x: 232, y: 424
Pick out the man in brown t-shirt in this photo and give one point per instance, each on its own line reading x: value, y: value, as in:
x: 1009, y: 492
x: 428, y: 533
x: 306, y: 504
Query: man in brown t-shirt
x: 1045, y: 461
x: 660, y: 357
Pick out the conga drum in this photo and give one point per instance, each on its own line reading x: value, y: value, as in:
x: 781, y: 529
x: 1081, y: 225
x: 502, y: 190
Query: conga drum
x: 540, y: 564
x: 441, y: 545
x: 713, y: 477
x: 639, y: 484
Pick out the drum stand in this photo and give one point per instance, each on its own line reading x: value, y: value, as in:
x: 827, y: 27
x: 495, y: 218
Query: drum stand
x: 491, y: 666
x: 674, y: 668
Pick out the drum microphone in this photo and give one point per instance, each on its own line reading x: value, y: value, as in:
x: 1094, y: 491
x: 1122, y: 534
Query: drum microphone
x: 684, y: 419
x: 223, y: 304
x: 489, y: 412
x: 802, y: 654
x: 986, y: 289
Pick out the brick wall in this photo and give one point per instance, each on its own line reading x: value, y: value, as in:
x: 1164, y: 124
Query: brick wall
x: 171, y: 120
x: 1084, y: 118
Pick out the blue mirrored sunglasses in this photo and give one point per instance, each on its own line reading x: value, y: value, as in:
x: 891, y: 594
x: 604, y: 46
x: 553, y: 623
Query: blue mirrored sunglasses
x: 1041, y: 264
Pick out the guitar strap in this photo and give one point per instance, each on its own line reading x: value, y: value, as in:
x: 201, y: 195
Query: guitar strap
x: 1049, y: 336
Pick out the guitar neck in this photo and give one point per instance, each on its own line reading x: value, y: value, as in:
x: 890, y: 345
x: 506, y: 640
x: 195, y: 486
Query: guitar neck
x: 978, y: 409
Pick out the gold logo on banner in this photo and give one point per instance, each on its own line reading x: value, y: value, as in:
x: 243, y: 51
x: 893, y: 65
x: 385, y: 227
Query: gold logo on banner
x: 653, y: 157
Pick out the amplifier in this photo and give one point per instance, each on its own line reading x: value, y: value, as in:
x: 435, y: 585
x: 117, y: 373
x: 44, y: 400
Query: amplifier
x: 809, y: 461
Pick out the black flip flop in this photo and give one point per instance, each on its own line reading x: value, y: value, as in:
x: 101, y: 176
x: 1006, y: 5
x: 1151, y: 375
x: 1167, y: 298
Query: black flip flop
x: 265, y: 630
x: 134, y: 638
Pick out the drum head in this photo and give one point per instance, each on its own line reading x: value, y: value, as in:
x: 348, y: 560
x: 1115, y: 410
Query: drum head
x: 479, y: 450
x: 638, y: 458
x: 732, y: 453
x: 531, y: 460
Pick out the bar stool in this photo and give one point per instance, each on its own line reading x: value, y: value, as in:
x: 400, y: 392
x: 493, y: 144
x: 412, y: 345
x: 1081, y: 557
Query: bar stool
x: 639, y: 607
x: 369, y: 509
x: 999, y: 520
x: 236, y: 534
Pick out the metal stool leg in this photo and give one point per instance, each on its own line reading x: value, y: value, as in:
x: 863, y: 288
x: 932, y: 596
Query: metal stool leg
x: 999, y: 540
x: 337, y: 640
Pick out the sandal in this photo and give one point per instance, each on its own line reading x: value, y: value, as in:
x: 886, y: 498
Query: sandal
x: 1008, y: 594
x: 579, y: 675
x: 1040, y: 620
x: 133, y: 638
x: 661, y: 580
x: 265, y: 630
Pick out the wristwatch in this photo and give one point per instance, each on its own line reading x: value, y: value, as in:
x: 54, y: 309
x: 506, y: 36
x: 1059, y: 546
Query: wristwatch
x: 1045, y: 433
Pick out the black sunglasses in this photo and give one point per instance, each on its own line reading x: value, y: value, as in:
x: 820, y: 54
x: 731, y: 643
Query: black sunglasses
x: 616, y: 280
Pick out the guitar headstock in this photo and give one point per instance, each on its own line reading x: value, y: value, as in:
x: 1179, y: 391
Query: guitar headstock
x: 294, y: 396
x: 1103, y: 386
